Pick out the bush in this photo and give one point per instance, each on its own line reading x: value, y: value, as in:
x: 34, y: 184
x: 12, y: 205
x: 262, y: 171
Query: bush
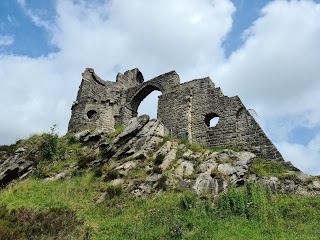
x: 85, y: 160
x: 188, y: 201
x: 114, y: 191
x: 157, y: 169
x: 159, y: 159
x: 111, y: 175
x: 248, y: 201
x: 9, y: 149
x: 56, y: 223
x: 49, y: 145
x: 162, y: 183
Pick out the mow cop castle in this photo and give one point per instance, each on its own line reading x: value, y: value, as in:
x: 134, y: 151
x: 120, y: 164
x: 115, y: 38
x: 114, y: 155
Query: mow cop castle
x: 185, y: 110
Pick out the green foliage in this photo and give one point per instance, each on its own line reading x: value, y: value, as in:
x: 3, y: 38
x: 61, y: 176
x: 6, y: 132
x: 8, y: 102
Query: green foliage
x: 188, y: 201
x: 162, y: 183
x: 159, y: 159
x: 117, y: 130
x: 265, y: 168
x: 49, y: 145
x: 85, y: 160
x: 176, y: 231
x: 23, y: 223
x: 163, y: 217
x: 111, y: 174
x: 157, y: 169
x: 248, y: 201
x: 9, y: 149
x: 113, y: 191
x: 40, y: 172
x: 179, y: 154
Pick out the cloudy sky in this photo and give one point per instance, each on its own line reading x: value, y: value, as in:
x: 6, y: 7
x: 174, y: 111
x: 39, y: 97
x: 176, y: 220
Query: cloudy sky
x: 267, y: 52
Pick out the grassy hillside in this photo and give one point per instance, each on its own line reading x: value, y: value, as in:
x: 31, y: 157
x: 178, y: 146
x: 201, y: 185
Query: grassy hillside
x: 72, y: 208
x: 247, y: 212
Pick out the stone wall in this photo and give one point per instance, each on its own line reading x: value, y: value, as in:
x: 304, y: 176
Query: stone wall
x: 185, y: 110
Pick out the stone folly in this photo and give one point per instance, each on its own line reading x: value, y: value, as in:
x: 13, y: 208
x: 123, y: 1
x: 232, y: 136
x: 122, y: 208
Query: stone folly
x: 185, y: 109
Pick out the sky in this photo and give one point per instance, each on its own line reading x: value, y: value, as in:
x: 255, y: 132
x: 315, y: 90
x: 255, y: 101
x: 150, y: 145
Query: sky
x: 266, y: 52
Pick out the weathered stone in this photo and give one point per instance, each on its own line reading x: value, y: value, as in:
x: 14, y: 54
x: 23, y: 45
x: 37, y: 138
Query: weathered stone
x: 117, y: 181
x: 81, y: 135
x: 169, y: 157
x: 316, y: 185
x: 19, y: 150
x: 205, y: 184
x: 153, y: 177
x: 95, y: 136
x: 126, y: 167
x: 184, y: 109
x: 226, y: 169
x: 59, y: 176
x: 207, y: 166
x: 185, y: 168
x: 243, y: 158
x: 14, y: 168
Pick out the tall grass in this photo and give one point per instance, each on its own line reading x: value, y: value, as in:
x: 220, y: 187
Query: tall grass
x: 241, y: 213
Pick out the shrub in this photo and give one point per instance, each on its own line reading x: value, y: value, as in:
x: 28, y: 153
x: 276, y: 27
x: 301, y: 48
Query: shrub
x: 9, y: 149
x: 176, y: 231
x: 111, y: 175
x: 179, y: 154
x: 248, y: 201
x: 159, y: 159
x: 114, y: 191
x: 55, y: 223
x: 49, y: 145
x: 157, y: 169
x: 162, y: 184
x: 188, y: 201
x: 85, y: 160
x: 39, y: 172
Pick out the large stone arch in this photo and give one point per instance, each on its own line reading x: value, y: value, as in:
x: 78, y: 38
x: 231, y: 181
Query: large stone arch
x: 141, y: 94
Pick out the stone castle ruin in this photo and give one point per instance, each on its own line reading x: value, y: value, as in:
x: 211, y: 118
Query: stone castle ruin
x: 185, y: 109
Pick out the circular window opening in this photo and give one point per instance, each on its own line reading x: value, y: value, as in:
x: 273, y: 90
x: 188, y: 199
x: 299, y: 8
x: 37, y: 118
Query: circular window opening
x: 92, y: 114
x: 211, y: 119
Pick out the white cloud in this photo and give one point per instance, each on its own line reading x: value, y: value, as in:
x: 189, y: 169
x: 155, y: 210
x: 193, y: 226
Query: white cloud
x: 277, y: 73
x: 305, y: 157
x: 277, y: 68
x: 111, y: 37
x: 6, y: 40
x: 34, y: 16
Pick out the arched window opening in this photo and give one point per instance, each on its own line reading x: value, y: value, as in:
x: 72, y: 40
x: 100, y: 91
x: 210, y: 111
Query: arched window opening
x: 211, y: 120
x: 92, y: 115
x: 149, y: 105
x: 146, y: 101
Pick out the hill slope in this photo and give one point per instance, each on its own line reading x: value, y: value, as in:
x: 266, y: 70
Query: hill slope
x: 137, y: 183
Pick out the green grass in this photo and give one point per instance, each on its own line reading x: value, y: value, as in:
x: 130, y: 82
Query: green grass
x: 239, y: 213
x: 265, y: 168
x: 117, y: 130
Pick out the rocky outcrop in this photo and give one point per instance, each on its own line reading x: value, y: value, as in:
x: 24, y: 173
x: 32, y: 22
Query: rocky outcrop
x: 15, y: 167
x: 145, y: 161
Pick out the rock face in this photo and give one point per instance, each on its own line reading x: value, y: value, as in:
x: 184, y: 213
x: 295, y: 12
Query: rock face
x: 15, y: 167
x: 184, y: 109
x: 146, y: 162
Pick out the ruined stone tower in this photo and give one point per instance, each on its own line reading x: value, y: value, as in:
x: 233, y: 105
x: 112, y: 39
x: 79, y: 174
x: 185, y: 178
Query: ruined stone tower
x: 185, y: 109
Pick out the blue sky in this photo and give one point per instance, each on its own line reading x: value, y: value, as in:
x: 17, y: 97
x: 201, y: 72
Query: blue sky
x: 266, y: 52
